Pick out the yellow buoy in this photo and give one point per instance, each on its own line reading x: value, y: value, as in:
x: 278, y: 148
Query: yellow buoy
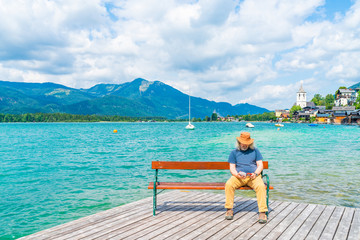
x: 115, y: 131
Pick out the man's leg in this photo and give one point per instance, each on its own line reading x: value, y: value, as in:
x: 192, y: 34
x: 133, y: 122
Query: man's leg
x: 259, y: 187
x: 230, y: 187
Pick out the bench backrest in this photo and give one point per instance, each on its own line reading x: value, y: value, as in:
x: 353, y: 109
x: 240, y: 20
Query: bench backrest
x: 194, y: 165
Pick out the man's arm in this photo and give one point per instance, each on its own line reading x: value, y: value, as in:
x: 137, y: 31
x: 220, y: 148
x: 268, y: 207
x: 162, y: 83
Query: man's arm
x: 234, y: 172
x: 259, y: 168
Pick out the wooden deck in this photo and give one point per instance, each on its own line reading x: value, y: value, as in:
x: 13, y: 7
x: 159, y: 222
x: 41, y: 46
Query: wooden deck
x: 200, y: 215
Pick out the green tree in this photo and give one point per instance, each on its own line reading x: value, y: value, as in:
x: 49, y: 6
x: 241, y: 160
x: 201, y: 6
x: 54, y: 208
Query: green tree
x: 247, y: 117
x: 214, y: 117
x: 8, y: 118
x: 357, y: 102
x: 316, y: 99
x: 329, y: 101
x: 207, y: 119
x: 295, y: 108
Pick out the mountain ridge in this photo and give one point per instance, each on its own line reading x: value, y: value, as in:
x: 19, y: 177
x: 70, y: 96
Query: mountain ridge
x: 137, y: 98
x: 357, y: 85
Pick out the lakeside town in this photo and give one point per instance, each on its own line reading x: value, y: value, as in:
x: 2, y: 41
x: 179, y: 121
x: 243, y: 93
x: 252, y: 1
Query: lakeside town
x: 341, y: 108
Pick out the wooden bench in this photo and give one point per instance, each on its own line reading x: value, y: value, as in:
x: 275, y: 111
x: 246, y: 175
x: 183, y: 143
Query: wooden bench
x: 171, y: 165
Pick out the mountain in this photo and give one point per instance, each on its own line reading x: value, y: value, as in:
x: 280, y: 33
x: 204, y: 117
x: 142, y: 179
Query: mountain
x: 137, y: 98
x: 355, y: 86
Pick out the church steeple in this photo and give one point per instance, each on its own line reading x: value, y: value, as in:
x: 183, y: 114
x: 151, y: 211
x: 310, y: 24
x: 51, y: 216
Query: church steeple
x: 301, y: 97
x: 301, y: 90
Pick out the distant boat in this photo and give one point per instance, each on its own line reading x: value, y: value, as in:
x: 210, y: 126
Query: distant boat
x: 279, y: 125
x: 190, y: 126
x: 313, y: 125
x: 249, y: 125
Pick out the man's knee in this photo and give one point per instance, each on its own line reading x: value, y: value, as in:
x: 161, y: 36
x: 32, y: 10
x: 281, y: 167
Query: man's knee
x: 260, y: 187
x: 230, y: 184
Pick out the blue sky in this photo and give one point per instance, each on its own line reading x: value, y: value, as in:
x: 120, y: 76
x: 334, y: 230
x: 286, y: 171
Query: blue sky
x: 253, y: 51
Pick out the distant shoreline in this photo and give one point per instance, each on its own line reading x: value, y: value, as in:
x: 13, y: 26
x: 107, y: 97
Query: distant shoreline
x: 67, y: 117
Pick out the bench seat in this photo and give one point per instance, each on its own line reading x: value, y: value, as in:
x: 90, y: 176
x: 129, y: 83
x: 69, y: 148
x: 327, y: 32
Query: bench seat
x: 194, y: 186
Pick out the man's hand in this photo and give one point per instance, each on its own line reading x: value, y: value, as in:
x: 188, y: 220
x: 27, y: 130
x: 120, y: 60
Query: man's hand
x: 240, y: 176
x: 252, y: 176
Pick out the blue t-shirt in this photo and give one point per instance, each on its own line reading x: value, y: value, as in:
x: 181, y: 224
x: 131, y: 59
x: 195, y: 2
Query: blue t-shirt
x: 245, y: 160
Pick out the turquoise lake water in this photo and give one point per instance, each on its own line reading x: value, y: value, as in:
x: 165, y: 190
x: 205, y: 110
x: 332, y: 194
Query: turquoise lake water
x: 52, y: 173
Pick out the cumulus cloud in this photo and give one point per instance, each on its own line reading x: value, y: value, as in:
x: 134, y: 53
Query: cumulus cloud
x: 237, y: 51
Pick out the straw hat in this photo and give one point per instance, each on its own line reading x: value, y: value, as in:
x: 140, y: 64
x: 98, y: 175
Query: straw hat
x: 245, y: 138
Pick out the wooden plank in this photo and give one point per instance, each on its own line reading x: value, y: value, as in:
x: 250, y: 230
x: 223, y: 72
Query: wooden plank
x: 241, y: 225
x: 182, y: 220
x: 200, y: 215
x: 81, y: 223
x: 126, y: 222
x: 280, y: 222
x: 179, y: 232
x: 256, y: 227
x: 118, y: 232
x: 139, y: 211
x: 332, y: 224
x: 190, y: 165
x: 297, y: 223
x: 268, y: 227
x: 194, y: 165
x: 354, y: 233
x: 225, y: 223
x: 345, y: 223
x: 195, y: 186
x: 204, y: 226
x: 132, y: 222
x: 286, y: 222
x: 320, y: 224
x: 309, y: 223
x: 45, y: 234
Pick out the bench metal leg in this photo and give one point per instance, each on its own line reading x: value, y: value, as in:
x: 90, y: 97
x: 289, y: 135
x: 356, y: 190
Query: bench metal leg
x: 155, y: 192
x: 267, y: 192
x: 154, y: 199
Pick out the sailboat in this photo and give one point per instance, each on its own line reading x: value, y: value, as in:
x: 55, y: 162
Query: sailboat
x: 189, y: 126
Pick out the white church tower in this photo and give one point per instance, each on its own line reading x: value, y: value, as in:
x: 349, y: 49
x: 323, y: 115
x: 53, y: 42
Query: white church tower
x: 301, y: 97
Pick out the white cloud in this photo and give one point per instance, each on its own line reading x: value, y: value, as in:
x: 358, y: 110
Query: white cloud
x: 252, y: 50
x: 270, y: 95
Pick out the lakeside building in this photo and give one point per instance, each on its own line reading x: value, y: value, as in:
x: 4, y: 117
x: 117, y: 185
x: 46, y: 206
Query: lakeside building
x: 346, y: 97
x: 340, y: 113
x: 324, y: 116
x: 281, y: 113
x: 353, y: 118
x: 285, y: 115
x: 305, y: 114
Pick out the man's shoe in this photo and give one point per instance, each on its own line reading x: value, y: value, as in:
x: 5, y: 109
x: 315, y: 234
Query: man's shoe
x: 229, y: 214
x: 262, y: 218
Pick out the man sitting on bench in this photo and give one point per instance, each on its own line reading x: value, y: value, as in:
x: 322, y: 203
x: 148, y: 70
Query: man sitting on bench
x: 246, y: 166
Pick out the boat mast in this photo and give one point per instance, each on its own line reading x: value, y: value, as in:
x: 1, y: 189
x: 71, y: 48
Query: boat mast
x: 189, y: 108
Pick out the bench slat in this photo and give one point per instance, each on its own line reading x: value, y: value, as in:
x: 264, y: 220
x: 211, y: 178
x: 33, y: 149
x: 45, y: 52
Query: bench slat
x: 193, y: 185
x: 194, y: 165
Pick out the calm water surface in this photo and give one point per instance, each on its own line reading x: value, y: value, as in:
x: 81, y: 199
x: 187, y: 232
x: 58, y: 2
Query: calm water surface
x: 52, y: 173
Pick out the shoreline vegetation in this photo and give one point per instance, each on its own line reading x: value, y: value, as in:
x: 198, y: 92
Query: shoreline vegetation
x: 66, y: 117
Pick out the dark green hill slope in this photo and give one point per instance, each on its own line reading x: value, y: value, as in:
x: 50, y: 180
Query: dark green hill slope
x: 355, y: 86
